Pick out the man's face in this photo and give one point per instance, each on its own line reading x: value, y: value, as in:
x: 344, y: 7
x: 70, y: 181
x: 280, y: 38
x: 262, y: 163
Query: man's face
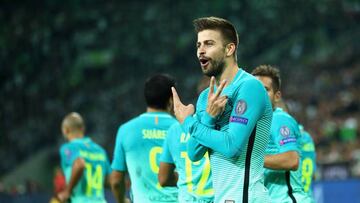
x: 211, y: 52
x: 65, y: 131
x: 267, y: 82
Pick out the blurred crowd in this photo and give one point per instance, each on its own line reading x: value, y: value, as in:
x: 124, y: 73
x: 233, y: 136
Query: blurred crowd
x: 329, y: 108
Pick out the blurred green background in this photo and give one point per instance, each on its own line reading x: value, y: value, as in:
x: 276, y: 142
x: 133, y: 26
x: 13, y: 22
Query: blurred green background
x: 93, y: 56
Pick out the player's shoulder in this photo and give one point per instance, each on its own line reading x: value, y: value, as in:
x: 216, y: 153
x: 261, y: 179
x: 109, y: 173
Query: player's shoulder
x: 63, y: 147
x: 285, y: 123
x: 280, y: 114
x: 173, y: 132
x: 306, y: 136
x: 132, y: 123
x: 250, y: 81
x: 68, y: 147
x: 96, y: 146
x: 175, y: 127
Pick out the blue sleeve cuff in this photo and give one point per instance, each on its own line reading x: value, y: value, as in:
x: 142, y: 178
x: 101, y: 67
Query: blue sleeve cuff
x: 188, y: 123
x: 208, y: 120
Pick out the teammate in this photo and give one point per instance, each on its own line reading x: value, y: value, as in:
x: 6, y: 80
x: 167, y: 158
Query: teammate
x: 194, y: 178
x: 139, y: 146
x: 308, y: 155
x: 85, y: 164
x: 231, y: 124
x: 308, y: 160
x: 282, y: 174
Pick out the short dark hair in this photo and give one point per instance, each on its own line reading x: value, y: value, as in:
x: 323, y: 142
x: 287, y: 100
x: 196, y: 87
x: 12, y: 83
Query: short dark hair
x: 271, y: 72
x: 226, y: 28
x: 157, y: 90
x: 74, y: 121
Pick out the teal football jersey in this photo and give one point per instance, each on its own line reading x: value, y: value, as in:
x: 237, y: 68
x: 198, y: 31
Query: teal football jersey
x: 284, y: 186
x: 235, y: 140
x: 90, y: 187
x: 308, y: 159
x: 194, y: 183
x: 137, y: 150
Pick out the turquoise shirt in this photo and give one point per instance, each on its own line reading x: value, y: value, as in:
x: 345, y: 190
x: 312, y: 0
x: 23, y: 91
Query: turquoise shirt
x: 90, y: 187
x: 194, y: 183
x: 308, y: 160
x: 284, y: 186
x: 235, y: 140
x: 137, y: 150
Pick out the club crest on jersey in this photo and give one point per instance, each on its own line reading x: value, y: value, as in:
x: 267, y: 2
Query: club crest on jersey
x: 240, y: 107
x: 67, y: 153
x: 284, y: 131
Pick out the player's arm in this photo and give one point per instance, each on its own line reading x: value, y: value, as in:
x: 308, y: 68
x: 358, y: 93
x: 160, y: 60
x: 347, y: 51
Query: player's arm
x: 76, y: 173
x: 117, y: 182
x: 230, y: 142
x: 117, y: 177
x: 285, y: 133
x: 107, y: 172
x: 167, y: 175
x: 196, y: 151
x: 285, y: 161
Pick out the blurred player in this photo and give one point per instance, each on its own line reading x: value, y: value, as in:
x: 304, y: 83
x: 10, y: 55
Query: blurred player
x: 139, y: 146
x: 85, y: 164
x: 308, y: 160
x: 282, y: 174
x: 194, y: 178
x: 231, y: 124
x: 308, y: 155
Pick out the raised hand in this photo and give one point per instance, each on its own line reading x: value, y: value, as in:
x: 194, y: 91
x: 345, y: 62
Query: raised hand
x: 181, y: 111
x: 216, y: 103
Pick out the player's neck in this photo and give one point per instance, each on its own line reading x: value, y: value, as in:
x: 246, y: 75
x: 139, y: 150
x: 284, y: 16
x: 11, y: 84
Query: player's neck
x: 229, y: 73
x: 150, y: 110
x: 75, y: 135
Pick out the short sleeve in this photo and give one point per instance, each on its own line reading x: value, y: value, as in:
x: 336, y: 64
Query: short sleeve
x: 119, y: 162
x: 285, y: 134
x: 68, y: 154
x: 166, y: 154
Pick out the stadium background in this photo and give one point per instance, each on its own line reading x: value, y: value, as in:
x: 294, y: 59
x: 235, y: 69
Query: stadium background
x: 93, y: 57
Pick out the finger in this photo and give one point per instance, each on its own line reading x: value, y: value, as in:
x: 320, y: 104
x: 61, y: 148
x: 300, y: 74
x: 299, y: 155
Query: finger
x: 223, y: 103
x: 212, y: 84
x: 224, y: 97
x: 191, y: 106
x: 219, y: 102
x: 220, y: 89
x: 176, y: 98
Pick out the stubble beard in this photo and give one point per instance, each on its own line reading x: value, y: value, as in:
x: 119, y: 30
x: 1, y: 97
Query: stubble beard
x: 216, y: 69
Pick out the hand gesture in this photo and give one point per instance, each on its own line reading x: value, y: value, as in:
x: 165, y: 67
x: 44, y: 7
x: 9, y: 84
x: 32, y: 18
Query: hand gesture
x: 216, y: 103
x: 181, y: 111
x: 63, y: 196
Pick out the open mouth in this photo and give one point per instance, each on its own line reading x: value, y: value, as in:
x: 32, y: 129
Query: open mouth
x: 204, y: 62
